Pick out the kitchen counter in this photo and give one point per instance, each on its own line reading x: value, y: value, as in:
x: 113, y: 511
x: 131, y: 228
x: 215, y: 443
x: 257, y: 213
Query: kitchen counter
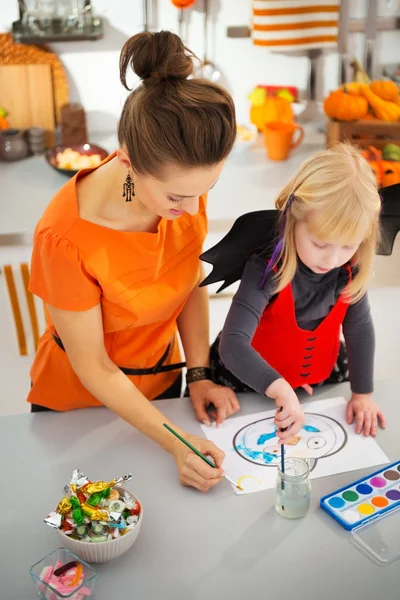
x: 249, y: 182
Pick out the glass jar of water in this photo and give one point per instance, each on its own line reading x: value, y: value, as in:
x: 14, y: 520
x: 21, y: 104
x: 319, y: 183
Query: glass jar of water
x: 293, y: 488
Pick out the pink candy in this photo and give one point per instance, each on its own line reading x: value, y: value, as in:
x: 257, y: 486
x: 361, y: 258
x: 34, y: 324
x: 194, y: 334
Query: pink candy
x: 61, y: 584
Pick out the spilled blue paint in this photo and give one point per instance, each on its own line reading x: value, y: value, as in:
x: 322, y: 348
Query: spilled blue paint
x: 311, y: 429
x: 265, y: 437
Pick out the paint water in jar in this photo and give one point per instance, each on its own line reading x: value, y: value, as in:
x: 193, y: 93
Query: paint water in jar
x: 293, y: 489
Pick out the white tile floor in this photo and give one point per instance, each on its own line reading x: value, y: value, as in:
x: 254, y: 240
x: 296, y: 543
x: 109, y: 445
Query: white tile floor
x: 385, y: 303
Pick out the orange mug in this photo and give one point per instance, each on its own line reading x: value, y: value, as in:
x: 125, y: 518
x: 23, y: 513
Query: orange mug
x: 278, y: 139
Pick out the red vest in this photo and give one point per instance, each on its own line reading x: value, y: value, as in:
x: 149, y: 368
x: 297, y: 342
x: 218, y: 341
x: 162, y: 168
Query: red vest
x: 300, y: 356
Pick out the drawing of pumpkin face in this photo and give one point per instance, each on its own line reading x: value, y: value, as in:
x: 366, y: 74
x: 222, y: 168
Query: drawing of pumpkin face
x: 321, y: 436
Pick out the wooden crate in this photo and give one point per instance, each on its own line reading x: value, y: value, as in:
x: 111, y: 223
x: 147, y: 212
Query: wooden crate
x: 363, y: 133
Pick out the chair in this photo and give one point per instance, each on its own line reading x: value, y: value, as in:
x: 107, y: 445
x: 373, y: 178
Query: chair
x: 26, y: 312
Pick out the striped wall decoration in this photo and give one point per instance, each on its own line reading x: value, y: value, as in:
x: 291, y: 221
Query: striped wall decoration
x: 295, y: 24
x: 27, y: 312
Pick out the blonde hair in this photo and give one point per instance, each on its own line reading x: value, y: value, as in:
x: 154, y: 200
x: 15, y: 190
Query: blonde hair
x: 339, y: 187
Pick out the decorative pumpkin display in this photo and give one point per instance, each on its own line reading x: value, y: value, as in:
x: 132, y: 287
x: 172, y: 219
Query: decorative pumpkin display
x: 384, y: 110
x: 387, y: 90
x: 265, y: 109
x: 352, y: 88
x: 343, y: 106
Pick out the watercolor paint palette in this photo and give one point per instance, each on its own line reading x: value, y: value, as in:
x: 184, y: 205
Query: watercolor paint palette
x: 368, y: 497
x: 370, y: 509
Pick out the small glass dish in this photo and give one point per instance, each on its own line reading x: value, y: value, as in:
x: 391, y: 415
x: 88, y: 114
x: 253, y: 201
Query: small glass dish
x: 47, y: 592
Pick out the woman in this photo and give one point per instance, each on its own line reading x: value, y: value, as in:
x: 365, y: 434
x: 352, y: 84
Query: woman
x: 116, y: 259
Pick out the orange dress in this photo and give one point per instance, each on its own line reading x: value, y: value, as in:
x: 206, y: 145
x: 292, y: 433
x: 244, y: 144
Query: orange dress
x: 142, y: 281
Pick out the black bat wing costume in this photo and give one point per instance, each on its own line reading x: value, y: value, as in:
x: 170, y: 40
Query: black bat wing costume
x: 258, y: 232
x: 252, y: 233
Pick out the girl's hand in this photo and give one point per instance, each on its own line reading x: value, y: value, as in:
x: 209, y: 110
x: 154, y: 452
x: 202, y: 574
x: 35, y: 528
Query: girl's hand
x: 205, y: 392
x: 193, y: 471
x: 367, y: 414
x: 289, y: 417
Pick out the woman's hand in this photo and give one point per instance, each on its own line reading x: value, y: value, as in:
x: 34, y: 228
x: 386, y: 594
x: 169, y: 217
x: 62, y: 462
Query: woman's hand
x: 205, y: 393
x: 193, y: 471
x: 366, y: 413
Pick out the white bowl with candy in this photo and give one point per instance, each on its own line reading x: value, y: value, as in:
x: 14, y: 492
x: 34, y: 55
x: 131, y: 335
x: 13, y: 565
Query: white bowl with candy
x: 98, y: 521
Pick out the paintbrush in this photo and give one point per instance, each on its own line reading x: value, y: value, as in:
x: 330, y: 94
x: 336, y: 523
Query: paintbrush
x: 200, y: 455
x: 282, y: 466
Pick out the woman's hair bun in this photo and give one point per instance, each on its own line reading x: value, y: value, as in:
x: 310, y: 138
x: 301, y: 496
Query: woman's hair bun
x: 155, y: 56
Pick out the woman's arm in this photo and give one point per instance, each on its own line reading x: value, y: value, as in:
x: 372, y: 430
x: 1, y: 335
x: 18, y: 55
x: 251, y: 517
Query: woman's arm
x: 193, y: 325
x: 83, y: 339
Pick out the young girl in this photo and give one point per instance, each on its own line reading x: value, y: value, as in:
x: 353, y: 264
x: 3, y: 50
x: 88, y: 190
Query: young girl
x: 303, y: 285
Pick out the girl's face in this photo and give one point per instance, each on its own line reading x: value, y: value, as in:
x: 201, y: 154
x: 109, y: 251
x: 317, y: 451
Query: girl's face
x: 318, y: 255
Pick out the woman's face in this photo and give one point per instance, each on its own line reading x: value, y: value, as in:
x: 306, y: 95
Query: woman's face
x: 177, y: 192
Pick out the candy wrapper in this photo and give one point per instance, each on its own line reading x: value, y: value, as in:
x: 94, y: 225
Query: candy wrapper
x: 95, y: 511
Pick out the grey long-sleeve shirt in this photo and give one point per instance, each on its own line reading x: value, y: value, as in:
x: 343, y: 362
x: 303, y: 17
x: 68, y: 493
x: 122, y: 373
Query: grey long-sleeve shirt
x: 314, y: 296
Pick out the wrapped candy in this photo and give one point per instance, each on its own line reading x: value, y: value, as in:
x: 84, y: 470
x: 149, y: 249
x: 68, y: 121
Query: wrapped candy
x: 78, y: 480
x: 95, y: 511
x: 54, y: 520
x: 64, y: 506
x: 100, y: 486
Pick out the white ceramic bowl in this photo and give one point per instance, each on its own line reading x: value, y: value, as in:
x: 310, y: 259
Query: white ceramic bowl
x: 102, y: 552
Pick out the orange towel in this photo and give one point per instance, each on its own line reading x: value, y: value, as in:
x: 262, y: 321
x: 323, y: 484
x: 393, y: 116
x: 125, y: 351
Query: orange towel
x: 295, y: 24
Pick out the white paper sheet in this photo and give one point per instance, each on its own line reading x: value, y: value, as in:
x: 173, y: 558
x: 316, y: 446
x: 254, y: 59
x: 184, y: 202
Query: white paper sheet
x: 252, y: 452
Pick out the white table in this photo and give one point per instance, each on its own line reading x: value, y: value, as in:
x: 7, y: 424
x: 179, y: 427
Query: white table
x: 192, y: 546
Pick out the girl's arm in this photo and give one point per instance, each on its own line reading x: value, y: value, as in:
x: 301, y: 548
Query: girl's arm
x: 359, y: 335
x: 245, y: 362
x: 243, y: 318
x: 83, y: 339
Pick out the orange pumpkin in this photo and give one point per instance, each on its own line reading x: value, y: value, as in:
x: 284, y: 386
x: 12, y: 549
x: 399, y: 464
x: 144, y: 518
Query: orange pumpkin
x: 383, y: 109
x: 273, y: 109
x: 385, y: 89
x: 390, y: 173
x: 3, y: 123
x: 370, y: 117
x: 345, y: 107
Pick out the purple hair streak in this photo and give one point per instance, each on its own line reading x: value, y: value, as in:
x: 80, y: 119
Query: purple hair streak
x: 276, y: 254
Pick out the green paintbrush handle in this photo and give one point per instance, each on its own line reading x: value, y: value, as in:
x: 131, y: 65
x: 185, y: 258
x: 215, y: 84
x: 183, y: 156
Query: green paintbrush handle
x: 207, y: 460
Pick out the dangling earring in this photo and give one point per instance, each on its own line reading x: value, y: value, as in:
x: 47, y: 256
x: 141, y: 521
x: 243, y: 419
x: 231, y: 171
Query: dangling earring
x: 128, y: 189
